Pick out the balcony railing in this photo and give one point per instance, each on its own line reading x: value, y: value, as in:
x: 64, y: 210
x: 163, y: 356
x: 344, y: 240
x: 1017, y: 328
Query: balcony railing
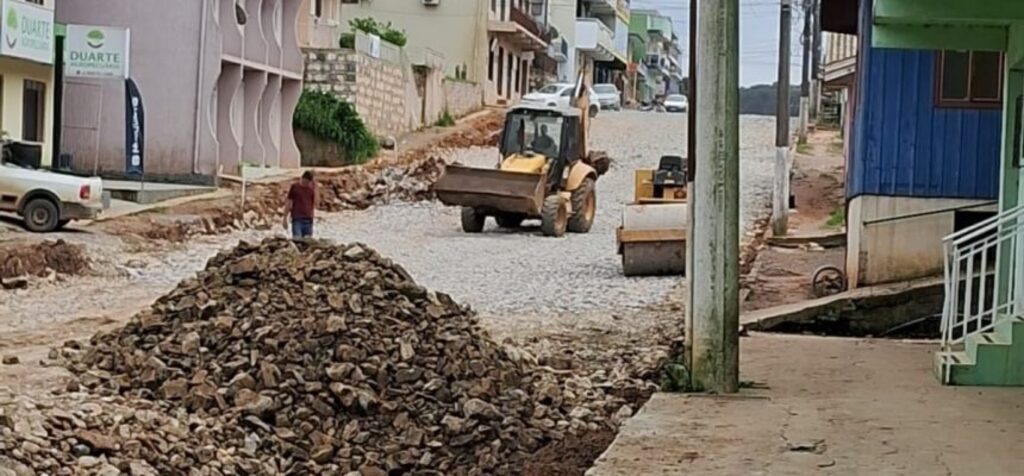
x: 524, y: 20
x: 593, y: 35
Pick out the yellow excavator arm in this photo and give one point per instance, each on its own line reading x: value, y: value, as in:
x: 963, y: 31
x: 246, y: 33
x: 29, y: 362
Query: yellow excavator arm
x: 581, y: 98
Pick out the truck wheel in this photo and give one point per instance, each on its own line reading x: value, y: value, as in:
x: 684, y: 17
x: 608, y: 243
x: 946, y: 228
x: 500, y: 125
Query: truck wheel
x: 472, y: 222
x: 584, y: 207
x: 41, y: 215
x: 509, y: 220
x: 593, y: 111
x: 553, y: 217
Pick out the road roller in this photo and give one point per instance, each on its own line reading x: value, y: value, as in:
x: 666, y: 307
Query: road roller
x: 652, y: 238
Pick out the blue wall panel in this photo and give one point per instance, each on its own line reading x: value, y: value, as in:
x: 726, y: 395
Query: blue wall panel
x: 903, y: 145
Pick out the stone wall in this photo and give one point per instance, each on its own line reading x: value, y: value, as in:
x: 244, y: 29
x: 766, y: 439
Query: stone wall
x: 462, y: 98
x: 389, y: 96
x: 377, y: 88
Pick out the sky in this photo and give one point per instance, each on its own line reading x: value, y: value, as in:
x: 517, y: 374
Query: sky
x: 759, y: 36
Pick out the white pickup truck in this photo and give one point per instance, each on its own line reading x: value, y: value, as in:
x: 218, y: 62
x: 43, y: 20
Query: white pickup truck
x: 47, y: 200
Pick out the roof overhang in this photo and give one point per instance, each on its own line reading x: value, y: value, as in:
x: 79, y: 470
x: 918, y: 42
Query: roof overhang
x: 945, y: 24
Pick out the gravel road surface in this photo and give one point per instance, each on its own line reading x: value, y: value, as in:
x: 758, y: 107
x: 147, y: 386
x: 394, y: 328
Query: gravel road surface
x: 512, y: 278
x: 514, y: 273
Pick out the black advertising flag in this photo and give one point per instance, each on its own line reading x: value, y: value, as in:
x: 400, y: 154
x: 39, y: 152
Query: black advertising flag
x: 135, y: 129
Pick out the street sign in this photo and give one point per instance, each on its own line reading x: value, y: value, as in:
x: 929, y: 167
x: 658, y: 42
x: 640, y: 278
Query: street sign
x: 97, y: 52
x: 27, y: 31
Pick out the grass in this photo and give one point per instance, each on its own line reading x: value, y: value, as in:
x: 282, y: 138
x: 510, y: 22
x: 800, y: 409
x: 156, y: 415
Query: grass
x: 837, y: 219
x: 446, y: 120
x: 803, y: 148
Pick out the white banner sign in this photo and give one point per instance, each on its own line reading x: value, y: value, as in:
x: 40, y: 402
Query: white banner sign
x: 96, y: 52
x: 27, y: 31
x: 374, y: 46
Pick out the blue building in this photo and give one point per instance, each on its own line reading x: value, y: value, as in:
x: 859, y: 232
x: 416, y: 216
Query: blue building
x: 923, y: 149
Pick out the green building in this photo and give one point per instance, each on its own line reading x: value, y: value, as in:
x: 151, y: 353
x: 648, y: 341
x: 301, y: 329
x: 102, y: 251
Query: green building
x: 655, y: 49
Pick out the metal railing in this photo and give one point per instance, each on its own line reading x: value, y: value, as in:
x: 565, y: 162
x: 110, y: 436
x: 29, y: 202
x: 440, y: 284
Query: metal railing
x: 979, y: 295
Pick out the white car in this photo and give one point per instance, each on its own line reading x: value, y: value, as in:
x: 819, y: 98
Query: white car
x: 558, y: 95
x: 47, y: 200
x: 677, y: 103
x: 608, y: 96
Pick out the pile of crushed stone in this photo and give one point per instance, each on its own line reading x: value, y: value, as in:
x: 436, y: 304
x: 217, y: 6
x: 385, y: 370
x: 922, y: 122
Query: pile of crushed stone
x: 311, y: 358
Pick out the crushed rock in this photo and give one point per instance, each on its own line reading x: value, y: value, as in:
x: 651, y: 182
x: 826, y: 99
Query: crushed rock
x: 313, y: 358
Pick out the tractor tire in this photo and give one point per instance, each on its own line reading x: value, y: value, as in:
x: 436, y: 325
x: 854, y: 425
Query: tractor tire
x: 510, y: 220
x: 584, y: 207
x: 553, y: 217
x: 472, y: 222
x: 41, y: 215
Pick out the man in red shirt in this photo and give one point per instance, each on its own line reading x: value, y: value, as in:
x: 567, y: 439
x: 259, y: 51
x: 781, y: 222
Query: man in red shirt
x: 301, y: 203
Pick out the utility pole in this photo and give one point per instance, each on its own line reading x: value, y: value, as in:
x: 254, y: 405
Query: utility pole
x: 691, y: 173
x: 805, y: 77
x: 780, y: 192
x: 714, y: 364
x: 816, y: 63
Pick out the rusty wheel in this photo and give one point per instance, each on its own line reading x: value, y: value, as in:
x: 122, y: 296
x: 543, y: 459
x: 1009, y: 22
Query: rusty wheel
x: 828, y: 281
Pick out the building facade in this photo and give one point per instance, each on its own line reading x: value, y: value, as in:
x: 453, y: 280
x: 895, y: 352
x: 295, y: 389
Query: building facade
x: 320, y: 24
x: 664, y: 73
x: 597, y: 32
x: 27, y: 89
x: 922, y: 155
x: 220, y: 80
x: 490, y: 42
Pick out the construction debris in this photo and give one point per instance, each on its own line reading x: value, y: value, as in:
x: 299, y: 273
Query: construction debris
x: 408, y: 177
x: 311, y: 358
x: 20, y: 261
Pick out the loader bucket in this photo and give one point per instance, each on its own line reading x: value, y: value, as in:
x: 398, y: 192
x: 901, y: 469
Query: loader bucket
x: 491, y: 190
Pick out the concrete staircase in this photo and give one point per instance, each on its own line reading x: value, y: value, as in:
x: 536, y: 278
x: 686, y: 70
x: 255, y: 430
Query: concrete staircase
x: 993, y: 358
x: 983, y: 315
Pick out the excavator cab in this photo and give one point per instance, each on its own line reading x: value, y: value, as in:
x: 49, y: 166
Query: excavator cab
x: 541, y: 141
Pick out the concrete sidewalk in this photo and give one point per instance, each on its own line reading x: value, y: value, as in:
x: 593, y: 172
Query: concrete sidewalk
x: 829, y: 406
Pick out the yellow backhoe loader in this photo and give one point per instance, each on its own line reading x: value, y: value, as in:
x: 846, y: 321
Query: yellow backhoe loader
x: 652, y: 238
x: 545, y: 172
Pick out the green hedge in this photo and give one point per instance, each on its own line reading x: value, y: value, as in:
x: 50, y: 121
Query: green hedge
x: 331, y: 118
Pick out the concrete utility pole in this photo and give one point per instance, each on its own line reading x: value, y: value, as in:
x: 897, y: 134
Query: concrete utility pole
x: 780, y: 192
x: 714, y: 365
x: 805, y: 77
x: 691, y: 173
x: 816, y: 63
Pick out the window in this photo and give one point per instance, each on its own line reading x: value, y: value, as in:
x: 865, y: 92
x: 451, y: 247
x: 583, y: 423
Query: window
x: 316, y: 8
x: 969, y: 79
x: 34, y: 112
x: 501, y: 69
x: 490, y: 65
x: 524, y: 74
x: 37, y: 2
x: 511, y: 73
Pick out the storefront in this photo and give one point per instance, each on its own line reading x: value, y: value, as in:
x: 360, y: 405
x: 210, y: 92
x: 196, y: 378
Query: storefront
x: 27, y: 75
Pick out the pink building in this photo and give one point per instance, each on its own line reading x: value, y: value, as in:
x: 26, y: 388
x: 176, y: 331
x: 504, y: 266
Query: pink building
x: 220, y: 80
